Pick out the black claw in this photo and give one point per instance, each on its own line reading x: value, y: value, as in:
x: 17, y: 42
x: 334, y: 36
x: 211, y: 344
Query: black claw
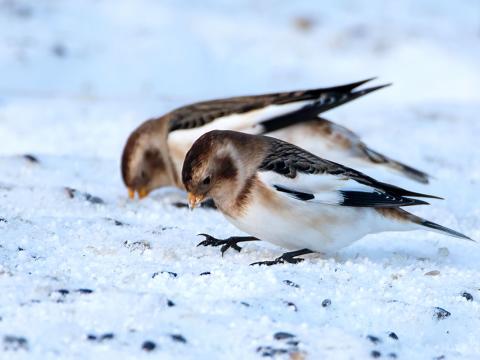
x: 289, y: 257
x: 209, y: 241
x: 229, y: 245
x: 225, y: 244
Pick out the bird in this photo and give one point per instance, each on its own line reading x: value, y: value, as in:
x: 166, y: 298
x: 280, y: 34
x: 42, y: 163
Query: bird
x: 153, y: 154
x: 280, y: 193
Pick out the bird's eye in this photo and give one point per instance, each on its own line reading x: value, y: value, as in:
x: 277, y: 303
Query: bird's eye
x: 206, y: 181
x: 143, y: 174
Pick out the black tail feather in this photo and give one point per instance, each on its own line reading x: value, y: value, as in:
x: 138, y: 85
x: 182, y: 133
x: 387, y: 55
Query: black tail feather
x: 444, y: 229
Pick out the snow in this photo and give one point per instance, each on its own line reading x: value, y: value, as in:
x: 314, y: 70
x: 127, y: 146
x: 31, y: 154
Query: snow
x: 77, y: 77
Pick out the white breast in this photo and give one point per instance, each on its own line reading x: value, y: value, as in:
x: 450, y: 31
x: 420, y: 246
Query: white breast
x: 295, y: 224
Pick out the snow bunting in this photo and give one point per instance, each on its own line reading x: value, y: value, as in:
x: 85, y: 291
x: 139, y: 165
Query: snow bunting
x: 154, y: 152
x: 280, y: 193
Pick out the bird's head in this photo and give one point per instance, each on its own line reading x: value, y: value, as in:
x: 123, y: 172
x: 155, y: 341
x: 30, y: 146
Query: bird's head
x: 145, y: 160
x: 212, y: 167
x: 219, y: 165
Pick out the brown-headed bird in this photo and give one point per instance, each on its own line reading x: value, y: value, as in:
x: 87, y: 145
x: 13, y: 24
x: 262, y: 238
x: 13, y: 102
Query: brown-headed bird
x: 280, y: 193
x: 154, y: 152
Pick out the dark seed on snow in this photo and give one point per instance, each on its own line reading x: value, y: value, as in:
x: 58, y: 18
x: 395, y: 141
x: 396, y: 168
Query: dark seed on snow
x: 31, y: 158
x: 245, y: 303
x: 107, y: 336
x: 63, y: 292
x: 178, y: 338
x: 392, y: 356
x: 11, y: 342
x: 84, y: 291
x: 268, y: 351
x: 374, y: 339
x: 467, y: 296
x: 149, y: 345
x: 326, y: 302
x: 171, y: 273
x: 440, y: 313
x: 282, y: 335
x: 291, y: 305
x: 180, y: 205
x: 376, y: 354
x: 91, y: 337
x: 291, y: 283
x: 20, y: 249
x: 293, y: 342
x: 170, y: 303
x: 393, y: 335
x: 205, y: 273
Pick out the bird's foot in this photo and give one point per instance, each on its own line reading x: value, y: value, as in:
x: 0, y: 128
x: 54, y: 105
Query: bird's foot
x: 288, y: 257
x: 225, y: 244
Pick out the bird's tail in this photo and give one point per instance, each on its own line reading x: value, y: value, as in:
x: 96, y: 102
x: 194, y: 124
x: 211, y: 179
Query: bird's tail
x: 404, y: 169
x: 437, y: 228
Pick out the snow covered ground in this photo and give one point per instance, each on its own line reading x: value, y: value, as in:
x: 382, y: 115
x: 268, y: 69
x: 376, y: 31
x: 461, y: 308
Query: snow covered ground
x: 86, y: 273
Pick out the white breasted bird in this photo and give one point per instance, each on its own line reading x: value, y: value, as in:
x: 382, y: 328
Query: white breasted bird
x: 154, y: 152
x: 280, y: 193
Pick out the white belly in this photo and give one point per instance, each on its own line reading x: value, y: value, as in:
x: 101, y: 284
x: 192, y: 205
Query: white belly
x: 303, y: 225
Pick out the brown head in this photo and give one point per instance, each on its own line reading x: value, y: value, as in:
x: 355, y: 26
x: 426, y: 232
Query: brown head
x: 146, y: 163
x: 219, y: 164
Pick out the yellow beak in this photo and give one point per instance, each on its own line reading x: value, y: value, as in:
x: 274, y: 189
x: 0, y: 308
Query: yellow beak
x: 142, y: 192
x: 194, y: 200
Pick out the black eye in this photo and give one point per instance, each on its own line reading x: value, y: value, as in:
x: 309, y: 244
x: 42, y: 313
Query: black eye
x: 206, y: 181
x: 143, y: 174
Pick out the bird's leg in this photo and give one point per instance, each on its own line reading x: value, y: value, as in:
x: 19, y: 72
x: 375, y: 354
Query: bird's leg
x: 288, y: 257
x: 231, y: 242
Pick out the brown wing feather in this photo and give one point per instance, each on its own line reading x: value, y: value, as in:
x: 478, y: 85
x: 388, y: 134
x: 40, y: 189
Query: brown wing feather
x: 287, y: 159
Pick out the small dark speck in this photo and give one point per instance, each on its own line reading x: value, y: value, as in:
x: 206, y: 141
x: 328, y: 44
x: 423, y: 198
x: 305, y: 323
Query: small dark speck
x: 375, y: 354
x: 374, y: 339
x: 178, y: 338
x: 393, y: 335
x: 149, y: 345
x: 282, y: 335
x: 31, y: 158
x: 170, y: 303
x: 392, y: 356
x: 91, y: 337
x: 245, y: 303
x: 59, y: 50
x: 107, y: 336
x: 20, y: 249
x: 467, y: 296
x: 291, y: 283
x: 3, y: 220
x: 118, y: 223
x: 171, y: 273
x: 180, y: 205
x: 268, y: 351
x: 440, y: 313
x: 84, y: 291
x: 441, y: 357
x: 293, y: 342
x: 205, y: 273
x: 326, y: 303
x: 11, y: 342
x: 63, y: 292
x: 291, y: 305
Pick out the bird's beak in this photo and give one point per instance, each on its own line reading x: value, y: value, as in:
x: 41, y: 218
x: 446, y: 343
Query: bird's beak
x: 194, y: 200
x: 131, y: 193
x: 142, y: 192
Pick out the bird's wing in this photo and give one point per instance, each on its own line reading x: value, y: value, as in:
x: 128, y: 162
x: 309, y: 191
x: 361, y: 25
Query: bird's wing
x: 304, y: 176
x: 268, y: 112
